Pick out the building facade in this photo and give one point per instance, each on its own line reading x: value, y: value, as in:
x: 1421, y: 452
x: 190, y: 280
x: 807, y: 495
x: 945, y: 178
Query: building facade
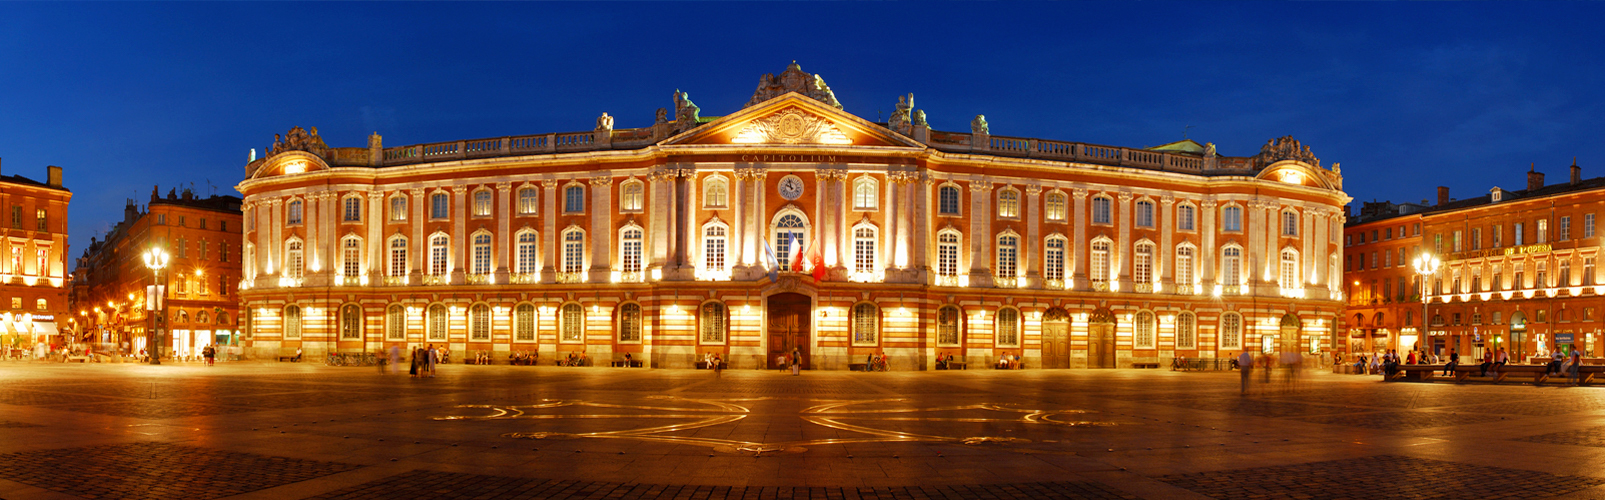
x: 1383, y: 289
x: 33, y: 277
x: 201, y: 237
x: 788, y: 226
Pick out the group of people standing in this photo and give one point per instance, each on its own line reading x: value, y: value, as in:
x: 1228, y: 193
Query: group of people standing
x: 424, y: 360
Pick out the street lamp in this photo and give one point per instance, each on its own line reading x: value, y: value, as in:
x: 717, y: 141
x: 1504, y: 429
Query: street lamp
x: 156, y: 259
x: 1426, y: 265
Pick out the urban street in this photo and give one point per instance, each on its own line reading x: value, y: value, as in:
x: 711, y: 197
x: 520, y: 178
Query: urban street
x: 304, y: 430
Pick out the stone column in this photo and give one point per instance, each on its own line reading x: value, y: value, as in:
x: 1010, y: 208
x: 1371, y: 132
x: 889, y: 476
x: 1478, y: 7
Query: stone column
x: 1032, y: 256
x: 687, y: 225
x: 923, y: 188
x: 1079, y: 245
x: 549, y: 248
x: 1254, y: 257
x: 906, y: 196
x: 658, y: 219
x: 1121, y: 260
x: 459, y: 234
x: 1162, y: 259
x: 1207, y: 253
x: 825, y: 225
x: 738, y: 223
x: 506, y: 245
x: 375, y: 249
x: 419, y: 246
x: 274, y: 247
x: 980, y: 234
x: 888, y: 233
x: 311, y: 243
x: 601, y: 229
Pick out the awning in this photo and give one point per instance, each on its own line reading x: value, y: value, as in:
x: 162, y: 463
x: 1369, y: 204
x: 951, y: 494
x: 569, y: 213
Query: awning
x: 45, y: 328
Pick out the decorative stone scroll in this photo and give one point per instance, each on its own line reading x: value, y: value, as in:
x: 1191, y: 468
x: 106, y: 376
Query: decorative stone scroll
x: 794, y: 79
x: 792, y: 126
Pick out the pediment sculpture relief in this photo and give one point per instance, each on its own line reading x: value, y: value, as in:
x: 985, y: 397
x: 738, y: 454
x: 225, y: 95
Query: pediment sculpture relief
x: 794, y: 79
x: 791, y: 126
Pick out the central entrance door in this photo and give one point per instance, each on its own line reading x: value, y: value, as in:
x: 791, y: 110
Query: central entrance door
x: 1101, y: 339
x: 1056, y: 339
x: 789, y: 315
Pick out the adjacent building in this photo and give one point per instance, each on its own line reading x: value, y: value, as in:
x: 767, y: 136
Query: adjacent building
x: 33, y: 277
x: 202, y: 238
x: 792, y: 226
x: 1382, y: 286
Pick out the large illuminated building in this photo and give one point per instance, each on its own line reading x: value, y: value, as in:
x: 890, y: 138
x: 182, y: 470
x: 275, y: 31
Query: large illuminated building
x: 792, y: 225
x: 33, y: 274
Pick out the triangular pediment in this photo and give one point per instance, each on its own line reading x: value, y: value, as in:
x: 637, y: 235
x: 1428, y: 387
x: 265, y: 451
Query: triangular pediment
x: 792, y: 119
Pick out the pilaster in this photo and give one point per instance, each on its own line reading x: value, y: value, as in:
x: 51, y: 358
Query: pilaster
x: 1032, y: 257
x: 601, y: 228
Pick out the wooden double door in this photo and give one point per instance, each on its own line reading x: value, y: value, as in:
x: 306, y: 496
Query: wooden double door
x: 789, y: 327
x: 1056, y: 339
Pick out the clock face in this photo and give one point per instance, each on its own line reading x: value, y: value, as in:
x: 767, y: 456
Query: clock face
x: 791, y: 187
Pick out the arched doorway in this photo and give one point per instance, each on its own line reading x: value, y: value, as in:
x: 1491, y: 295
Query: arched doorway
x: 1056, y: 339
x: 1289, y: 332
x: 1101, y: 339
x: 789, y: 327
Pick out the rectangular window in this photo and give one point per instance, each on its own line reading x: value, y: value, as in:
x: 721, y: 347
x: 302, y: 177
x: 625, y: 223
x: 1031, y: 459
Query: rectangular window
x: 1588, y: 225
x: 948, y: 200
x: 1056, y: 207
x: 16, y: 217
x: 201, y: 247
x: 1457, y: 241
x: 527, y: 199
x: 1290, y: 224
x: 398, y: 257
x: 1184, y: 266
x: 864, y: 250
x: 222, y: 252
x: 351, y: 209
x: 1543, y: 232
x: 1588, y: 271
x: 1233, y: 220
x: 947, y: 254
x: 1476, y: 238
x: 1517, y: 232
x: 439, y: 206
x: 1565, y: 228
x: 1008, y: 255
x: 1186, y: 218
x: 573, y: 252
x: 482, y: 201
x: 574, y: 199
x: 183, y: 248
x: 39, y: 219
x: 1054, y: 257
x: 1145, y: 214
x: 1101, y: 210
x: 1499, y: 239
x: 398, y: 208
x: 631, y: 250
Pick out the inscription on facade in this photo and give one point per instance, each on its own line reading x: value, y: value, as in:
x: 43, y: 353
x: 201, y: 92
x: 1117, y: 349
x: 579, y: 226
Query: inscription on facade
x: 789, y: 158
x: 1495, y: 252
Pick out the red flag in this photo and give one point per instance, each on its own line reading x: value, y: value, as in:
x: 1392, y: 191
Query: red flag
x: 818, y: 260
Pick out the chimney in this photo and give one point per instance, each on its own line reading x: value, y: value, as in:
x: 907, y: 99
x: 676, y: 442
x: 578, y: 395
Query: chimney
x: 1577, y: 172
x: 1535, y: 179
x: 1443, y: 195
x: 53, y: 176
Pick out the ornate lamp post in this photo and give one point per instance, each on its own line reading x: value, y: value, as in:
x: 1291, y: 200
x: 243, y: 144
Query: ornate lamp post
x: 155, y: 301
x: 1426, y: 265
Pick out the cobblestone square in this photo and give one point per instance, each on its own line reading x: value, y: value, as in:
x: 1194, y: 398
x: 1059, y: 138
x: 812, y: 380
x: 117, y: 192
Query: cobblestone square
x: 307, y: 431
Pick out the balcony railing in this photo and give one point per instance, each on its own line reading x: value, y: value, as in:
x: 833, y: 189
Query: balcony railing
x: 947, y: 281
x: 479, y: 279
x: 436, y: 279
x: 1006, y: 281
x: 1145, y: 288
x: 570, y: 277
x: 1053, y: 284
x: 524, y: 279
x: 1100, y: 286
x: 632, y: 277
x: 395, y: 280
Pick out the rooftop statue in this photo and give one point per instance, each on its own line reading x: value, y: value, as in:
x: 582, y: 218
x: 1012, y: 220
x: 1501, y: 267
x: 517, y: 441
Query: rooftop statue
x: 794, y: 79
x: 1287, y: 148
x: 298, y: 139
x: 686, y: 113
x: 604, y: 122
x: 978, y: 126
x: 902, y: 116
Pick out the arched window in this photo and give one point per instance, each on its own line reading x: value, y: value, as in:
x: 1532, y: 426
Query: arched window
x: 573, y: 251
x: 1053, y: 259
x: 1289, y: 223
x: 574, y: 199
x: 713, y: 322
x: 1101, y: 210
x: 789, y: 230
x: 947, y: 254
x: 947, y: 326
x: 222, y: 318
x: 524, y: 322
x: 398, y: 256
x: 292, y: 213
x: 439, y: 205
x: 350, y: 322
x: 864, y: 249
x: 630, y: 322
x: 573, y: 323
x: 395, y: 322
x: 1289, y: 275
x: 1186, y: 217
x: 351, y: 209
x: 948, y: 200
x: 1231, y: 331
x: 1186, y: 331
x: 439, y: 249
x: 1009, y: 203
x: 631, y: 196
x: 294, y: 262
x: 482, y: 203
x: 1008, y: 255
x: 1143, y: 331
x: 714, y: 238
x: 398, y: 208
x: 481, y: 254
x: 630, y: 249
x: 292, y: 322
x: 1056, y: 207
x: 1142, y: 263
x: 183, y: 317
x: 201, y: 318
x: 351, y: 257
x: 437, y: 322
x: 1100, y: 261
x: 865, y: 194
x: 715, y: 193
x: 1232, y: 218
x: 866, y: 323
x: 1145, y: 214
x: 527, y: 245
x: 479, y: 322
x: 1186, y: 259
x: 1007, y: 323
x: 1231, y: 266
x: 528, y: 201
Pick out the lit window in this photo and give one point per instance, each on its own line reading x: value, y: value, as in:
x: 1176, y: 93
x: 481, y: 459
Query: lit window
x: 630, y: 322
x: 439, y: 206
x: 439, y: 247
x: 398, y: 208
x: 479, y: 322
x: 573, y: 251
x: 481, y: 253
x: 482, y: 203
x: 1056, y: 207
x: 1143, y: 336
x: 1289, y: 269
x: 713, y: 248
x: 947, y: 325
x: 351, y: 209
x: 351, y: 257
x: 713, y: 322
x: 398, y: 257
x: 528, y: 199
x: 292, y: 322
x: 631, y: 196
x: 350, y: 322
x: 437, y: 322
x: 524, y: 322
x: 293, y: 262
x: 864, y: 194
x: 864, y: 249
x: 39, y: 220
x: 866, y: 323
x: 1008, y: 327
x: 715, y: 193
x: 1009, y: 204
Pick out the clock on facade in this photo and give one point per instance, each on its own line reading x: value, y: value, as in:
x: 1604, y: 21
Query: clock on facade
x: 791, y: 187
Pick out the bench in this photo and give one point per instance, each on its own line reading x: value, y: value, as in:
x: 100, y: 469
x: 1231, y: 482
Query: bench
x: 1417, y: 372
x: 957, y: 365
x: 704, y: 365
x: 1145, y: 365
x: 634, y: 363
x: 1540, y: 372
x: 76, y: 358
x: 291, y: 359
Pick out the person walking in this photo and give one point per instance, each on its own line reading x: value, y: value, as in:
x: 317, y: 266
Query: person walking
x: 395, y: 359
x: 1245, y: 364
x: 432, y: 359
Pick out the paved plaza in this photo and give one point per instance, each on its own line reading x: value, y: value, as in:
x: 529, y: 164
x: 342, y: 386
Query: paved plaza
x: 283, y: 430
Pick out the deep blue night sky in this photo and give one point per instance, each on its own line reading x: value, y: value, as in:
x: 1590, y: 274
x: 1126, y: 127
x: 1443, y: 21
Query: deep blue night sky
x: 1407, y: 96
